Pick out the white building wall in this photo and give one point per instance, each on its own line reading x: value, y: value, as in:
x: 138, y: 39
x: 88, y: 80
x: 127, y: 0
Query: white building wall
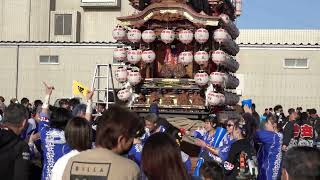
x: 268, y: 83
x: 8, y: 69
x: 75, y: 63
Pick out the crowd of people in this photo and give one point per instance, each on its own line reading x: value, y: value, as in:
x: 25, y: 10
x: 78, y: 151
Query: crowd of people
x: 74, y: 141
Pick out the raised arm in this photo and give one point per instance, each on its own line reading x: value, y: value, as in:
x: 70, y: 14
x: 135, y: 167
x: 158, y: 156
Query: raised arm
x: 48, y: 90
x: 89, y: 104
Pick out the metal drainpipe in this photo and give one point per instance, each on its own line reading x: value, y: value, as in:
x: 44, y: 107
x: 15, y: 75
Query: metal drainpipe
x: 29, y: 28
x: 17, y: 70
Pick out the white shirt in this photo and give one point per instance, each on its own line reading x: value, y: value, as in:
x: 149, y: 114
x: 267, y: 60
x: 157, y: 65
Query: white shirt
x: 60, y: 165
x: 32, y: 123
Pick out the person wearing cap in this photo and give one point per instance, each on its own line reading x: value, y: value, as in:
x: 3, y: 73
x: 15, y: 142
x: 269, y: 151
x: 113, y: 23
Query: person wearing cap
x: 14, y: 152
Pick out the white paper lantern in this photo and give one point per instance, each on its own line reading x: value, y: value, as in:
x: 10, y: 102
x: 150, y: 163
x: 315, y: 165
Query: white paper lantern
x: 148, y: 56
x: 134, y: 77
x: 201, y: 35
x: 134, y: 56
x: 120, y: 54
x: 134, y: 35
x: 121, y: 74
x: 238, y: 7
x: 119, y: 33
x: 221, y: 35
x: 217, y: 78
x: 201, y: 78
x: 201, y: 57
x: 215, y: 99
x: 186, y: 36
x: 124, y: 94
x: 185, y: 57
x: 167, y: 36
x: 219, y: 57
x: 148, y: 36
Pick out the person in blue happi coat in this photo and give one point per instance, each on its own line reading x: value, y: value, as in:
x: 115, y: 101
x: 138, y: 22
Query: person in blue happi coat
x: 205, y: 138
x: 269, y: 155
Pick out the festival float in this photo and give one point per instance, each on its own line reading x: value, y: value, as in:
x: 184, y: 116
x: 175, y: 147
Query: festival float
x: 179, y: 54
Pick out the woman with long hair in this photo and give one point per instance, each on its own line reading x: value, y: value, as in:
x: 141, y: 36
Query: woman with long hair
x: 240, y: 158
x: 161, y: 159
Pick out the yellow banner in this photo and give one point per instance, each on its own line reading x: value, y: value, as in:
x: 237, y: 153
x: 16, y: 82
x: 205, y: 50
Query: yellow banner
x: 78, y: 88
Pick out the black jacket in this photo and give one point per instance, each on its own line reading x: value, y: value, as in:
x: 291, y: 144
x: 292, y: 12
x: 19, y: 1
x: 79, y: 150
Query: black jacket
x: 14, y: 156
x: 288, y: 130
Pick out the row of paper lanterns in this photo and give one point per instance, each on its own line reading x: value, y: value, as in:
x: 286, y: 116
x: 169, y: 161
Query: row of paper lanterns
x: 219, y: 57
x: 214, y: 98
x: 201, y: 78
x: 124, y: 74
x: 167, y: 36
x: 216, y: 78
x: 219, y: 99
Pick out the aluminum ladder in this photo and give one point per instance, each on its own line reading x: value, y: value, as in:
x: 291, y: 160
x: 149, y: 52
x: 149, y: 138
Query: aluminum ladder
x: 101, y: 81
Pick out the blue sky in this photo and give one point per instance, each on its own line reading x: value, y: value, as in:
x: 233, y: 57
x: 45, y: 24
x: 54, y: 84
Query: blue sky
x: 293, y: 14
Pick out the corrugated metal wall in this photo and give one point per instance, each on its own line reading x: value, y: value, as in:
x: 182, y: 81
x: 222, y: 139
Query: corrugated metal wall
x: 95, y: 24
x: 281, y: 36
x: 15, y: 20
x: 39, y: 20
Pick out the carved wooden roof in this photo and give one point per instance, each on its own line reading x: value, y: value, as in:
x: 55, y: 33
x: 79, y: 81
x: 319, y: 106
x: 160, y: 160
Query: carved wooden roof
x: 168, y: 12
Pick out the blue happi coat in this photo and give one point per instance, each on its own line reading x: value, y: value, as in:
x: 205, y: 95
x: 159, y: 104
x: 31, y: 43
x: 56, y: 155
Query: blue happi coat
x: 136, y: 149
x: 225, y: 146
x: 53, y: 144
x: 208, y: 140
x: 269, y: 155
